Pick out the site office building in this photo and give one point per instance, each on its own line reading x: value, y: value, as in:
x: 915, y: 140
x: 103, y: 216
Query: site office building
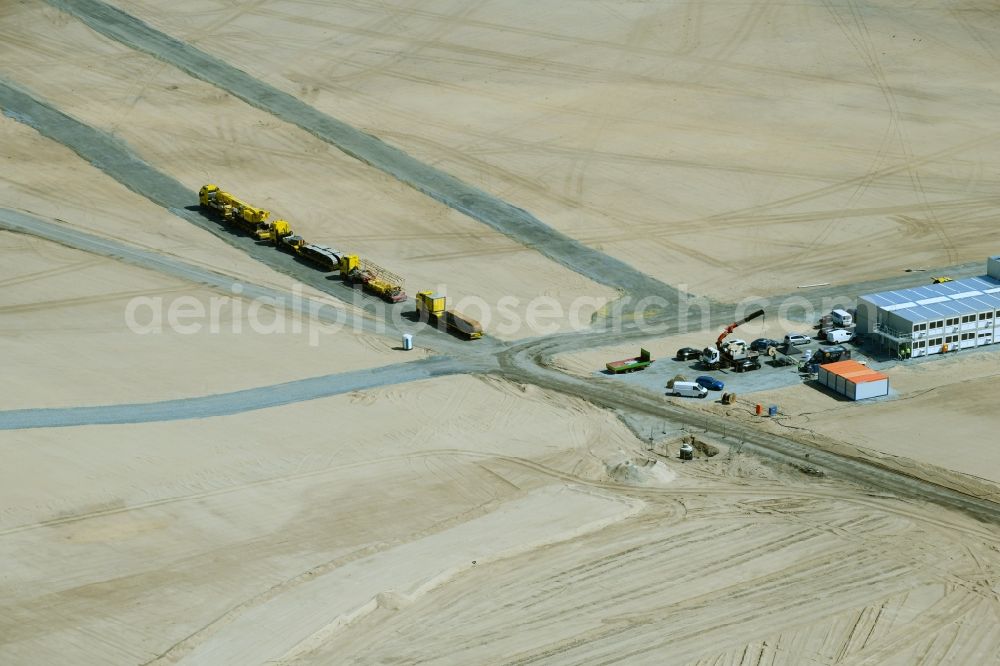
x: 935, y: 318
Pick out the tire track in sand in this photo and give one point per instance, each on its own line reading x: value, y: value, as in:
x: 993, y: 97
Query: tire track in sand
x: 514, y: 222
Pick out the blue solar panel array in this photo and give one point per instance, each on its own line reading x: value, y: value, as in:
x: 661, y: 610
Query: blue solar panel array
x: 940, y: 301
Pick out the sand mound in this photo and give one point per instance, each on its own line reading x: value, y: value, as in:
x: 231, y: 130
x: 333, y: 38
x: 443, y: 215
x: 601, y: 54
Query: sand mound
x: 639, y: 471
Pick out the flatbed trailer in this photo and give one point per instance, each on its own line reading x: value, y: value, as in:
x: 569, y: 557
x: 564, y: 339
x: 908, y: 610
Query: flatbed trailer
x: 640, y: 362
x: 323, y: 257
x: 373, y: 278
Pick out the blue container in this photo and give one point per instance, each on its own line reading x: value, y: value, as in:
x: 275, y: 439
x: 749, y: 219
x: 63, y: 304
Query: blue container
x: 772, y: 410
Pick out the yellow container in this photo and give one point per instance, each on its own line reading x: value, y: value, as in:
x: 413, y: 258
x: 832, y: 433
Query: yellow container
x: 431, y: 302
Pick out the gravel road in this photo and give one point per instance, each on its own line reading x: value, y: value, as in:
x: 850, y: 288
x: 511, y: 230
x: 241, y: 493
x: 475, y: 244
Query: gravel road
x: 224, y: 404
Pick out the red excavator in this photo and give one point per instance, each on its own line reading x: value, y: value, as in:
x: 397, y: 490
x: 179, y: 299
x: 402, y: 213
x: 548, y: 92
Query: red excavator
x: 724, y: 355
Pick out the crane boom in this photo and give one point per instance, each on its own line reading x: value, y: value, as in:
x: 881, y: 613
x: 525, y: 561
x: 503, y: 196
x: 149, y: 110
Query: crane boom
x: 732, y: 327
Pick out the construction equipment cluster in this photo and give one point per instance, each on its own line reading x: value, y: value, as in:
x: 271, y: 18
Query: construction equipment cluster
x: 353, y: 269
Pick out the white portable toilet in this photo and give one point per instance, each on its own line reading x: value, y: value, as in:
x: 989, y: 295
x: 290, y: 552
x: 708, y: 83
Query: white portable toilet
x: 407, y: 341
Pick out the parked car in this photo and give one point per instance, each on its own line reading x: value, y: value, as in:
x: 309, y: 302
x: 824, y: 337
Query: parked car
x: 761, y: 344
x: 797, y: 339
x: 942, y: 279
x: 839, y: 335
x: 711, y: 383
x: 688, y: 354
x: 746, y: 364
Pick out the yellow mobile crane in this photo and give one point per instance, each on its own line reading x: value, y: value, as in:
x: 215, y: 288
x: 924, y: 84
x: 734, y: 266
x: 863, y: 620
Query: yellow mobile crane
x: 233, y: 211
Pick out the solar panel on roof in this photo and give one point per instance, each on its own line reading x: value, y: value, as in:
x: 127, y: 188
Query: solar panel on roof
x: 935, y: 301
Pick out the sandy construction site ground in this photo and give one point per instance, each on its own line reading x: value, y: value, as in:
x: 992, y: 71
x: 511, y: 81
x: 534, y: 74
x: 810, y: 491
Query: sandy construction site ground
x: 936, y: 420
x: 197, y: 134
x: 737, y: 149
x: 71, y: 340
x: 464, y: 521
x: 234, y: 498
x: 938, y: 415
x: 41, y: 177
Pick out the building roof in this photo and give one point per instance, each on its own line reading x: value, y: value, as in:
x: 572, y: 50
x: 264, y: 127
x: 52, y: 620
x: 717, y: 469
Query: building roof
x: 854, y: 372
x: 940, y: 301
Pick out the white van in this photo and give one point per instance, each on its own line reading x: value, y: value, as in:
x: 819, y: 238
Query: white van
x: 689, y: 389
x: 841, y: 318
x: 838, y: 335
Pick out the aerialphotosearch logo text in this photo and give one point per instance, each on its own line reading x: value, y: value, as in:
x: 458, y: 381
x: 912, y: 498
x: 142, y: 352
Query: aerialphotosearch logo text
x: 262, y: 312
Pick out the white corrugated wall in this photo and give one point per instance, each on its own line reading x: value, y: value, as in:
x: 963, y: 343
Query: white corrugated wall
x: 872, y: 389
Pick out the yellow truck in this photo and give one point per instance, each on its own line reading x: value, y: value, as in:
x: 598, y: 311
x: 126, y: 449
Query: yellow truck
x: 278, y: 231
x: 431, y: 308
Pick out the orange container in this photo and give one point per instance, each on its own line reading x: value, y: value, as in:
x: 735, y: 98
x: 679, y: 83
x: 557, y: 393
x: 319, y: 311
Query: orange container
x: 760, y: 409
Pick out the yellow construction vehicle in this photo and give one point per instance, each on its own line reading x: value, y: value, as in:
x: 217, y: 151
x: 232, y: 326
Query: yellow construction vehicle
x: 278, y: 231
x: 431, y: 308
x: 233, y: 211
x: 324, y: 257
x: 372, y: 278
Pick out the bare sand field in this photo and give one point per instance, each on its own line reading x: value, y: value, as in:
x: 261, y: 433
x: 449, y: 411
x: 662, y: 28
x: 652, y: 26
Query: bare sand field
x: 65, y: 327
x: 43, y: 178
x: 463, y: 521
x: 284, y: 492
x: 735, y: 149
x: 195, y: 133
x: 724, y: 149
